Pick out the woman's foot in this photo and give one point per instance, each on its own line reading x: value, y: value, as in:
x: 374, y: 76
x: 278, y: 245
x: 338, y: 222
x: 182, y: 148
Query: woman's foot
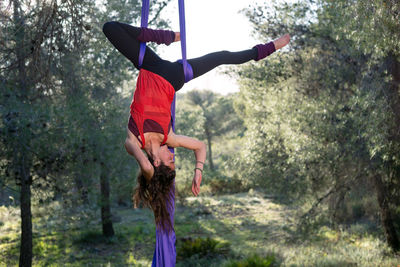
x: 264, y: 50
x: 177, y: 37
x: 281, y: 41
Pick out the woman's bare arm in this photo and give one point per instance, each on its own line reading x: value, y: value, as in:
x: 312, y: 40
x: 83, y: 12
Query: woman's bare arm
x: 199, y: 149
x: 132, y: 147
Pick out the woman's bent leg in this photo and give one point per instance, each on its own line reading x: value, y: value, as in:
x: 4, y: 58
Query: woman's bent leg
x: 124, y: 38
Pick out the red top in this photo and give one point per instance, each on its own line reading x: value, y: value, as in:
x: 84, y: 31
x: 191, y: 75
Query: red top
x: 152, y: 100
x: 148, y: 126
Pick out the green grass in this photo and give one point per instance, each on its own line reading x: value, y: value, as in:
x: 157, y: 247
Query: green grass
x: 254, y: 261
x: 243, y: 229
x: 202, y: 247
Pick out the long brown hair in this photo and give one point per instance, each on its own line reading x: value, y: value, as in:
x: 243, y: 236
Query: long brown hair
x: 155, y: 194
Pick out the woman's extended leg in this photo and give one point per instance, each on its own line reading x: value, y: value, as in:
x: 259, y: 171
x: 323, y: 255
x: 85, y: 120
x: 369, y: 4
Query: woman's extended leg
x: 125, y: 38
x: 208, y: 62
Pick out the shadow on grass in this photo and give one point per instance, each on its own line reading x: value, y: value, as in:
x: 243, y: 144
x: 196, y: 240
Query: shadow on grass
x: 217, y: 222
x: 87, y: 247
x: 270, y: 260
x: 210, y: 252
x: 198, y: 240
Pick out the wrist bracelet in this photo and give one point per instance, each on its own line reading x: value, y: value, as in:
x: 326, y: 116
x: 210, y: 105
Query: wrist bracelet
x: 200, y: 162
x: 198, y: 169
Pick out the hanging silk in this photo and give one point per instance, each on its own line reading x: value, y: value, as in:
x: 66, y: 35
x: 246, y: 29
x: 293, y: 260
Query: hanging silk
x: 165, y: 250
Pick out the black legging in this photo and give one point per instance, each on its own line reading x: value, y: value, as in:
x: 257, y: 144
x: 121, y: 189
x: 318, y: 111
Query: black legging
x: 124, y: 38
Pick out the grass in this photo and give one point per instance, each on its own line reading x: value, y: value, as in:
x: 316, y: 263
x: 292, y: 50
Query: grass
x: 202, y: 247
x: 254, y: 261
x: 243, y: 229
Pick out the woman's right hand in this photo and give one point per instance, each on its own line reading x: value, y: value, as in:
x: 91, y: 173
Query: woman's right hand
x: 199, y: 149
x: 196, y: 182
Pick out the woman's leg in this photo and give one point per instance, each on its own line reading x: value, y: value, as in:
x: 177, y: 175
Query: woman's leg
x: 201, y: 65
x: 124, y: 38
x: 208, y: 62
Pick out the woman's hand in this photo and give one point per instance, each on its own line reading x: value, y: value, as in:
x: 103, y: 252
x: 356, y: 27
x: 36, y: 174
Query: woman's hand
x: 196, y: 182
x: 199, y: 149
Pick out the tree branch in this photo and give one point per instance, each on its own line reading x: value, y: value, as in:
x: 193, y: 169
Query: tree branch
x: 335, y: 189
x: 163, y: 5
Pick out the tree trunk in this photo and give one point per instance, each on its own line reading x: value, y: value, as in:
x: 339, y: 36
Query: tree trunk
x: 393, y: 99
x: 108, y: 229
x: 386, y: 216
x: 25, y: 256
x: 209, y: 137
x: 81, y: 188
x: 393, y: 95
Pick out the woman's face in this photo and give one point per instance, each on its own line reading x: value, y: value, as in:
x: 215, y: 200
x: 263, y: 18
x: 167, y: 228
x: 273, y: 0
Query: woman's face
x: 166, y: 157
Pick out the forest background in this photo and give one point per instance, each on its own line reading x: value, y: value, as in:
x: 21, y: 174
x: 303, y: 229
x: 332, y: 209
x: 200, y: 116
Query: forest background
x: 314, y: 132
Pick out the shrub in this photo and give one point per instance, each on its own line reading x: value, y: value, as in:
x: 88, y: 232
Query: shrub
x: 202, y: 248
x: 254, y: 261
x: 223, y: 185
x: 93, y: 237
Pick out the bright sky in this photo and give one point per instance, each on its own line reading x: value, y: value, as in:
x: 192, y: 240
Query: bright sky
x: 211, y: 25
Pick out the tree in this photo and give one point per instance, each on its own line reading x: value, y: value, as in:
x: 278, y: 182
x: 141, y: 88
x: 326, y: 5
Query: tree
x: 26, y: 103
x: 219, y: 116
x: 58, y: 109
x: 322, y: 119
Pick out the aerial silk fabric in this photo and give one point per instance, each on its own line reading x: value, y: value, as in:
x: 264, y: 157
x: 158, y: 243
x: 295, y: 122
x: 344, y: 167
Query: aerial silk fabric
x: 187, y: 69
x: 165, y: 251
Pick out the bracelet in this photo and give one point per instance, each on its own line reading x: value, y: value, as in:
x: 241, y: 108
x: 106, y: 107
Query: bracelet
x: 200, y: 162
x: 198, y: 169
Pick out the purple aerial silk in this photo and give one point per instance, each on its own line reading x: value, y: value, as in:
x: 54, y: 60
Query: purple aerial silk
x: 165, y: 251
x: 187, y: 69
x: 143, y: 23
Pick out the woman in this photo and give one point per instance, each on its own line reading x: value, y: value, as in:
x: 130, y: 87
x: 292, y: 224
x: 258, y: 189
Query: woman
x: 149, y: 125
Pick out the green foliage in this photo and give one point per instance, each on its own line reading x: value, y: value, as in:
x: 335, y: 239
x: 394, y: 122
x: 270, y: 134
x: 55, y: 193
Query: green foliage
x: 63, y: 110
x: 210, y: 117
x: 219, y: 115
x: 313, y: 124
x: 92, y: 237
x: 46, y: 248
x: 219, y: 118
x: 224, y: 185
x: 202, y: 247
x: 261, y: 227
x: 322, y: 117
x: 254, y: 261
x: 366, y: 21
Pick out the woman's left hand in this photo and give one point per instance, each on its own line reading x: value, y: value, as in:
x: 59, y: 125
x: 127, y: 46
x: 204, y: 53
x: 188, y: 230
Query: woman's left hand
x: 196, y: 183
